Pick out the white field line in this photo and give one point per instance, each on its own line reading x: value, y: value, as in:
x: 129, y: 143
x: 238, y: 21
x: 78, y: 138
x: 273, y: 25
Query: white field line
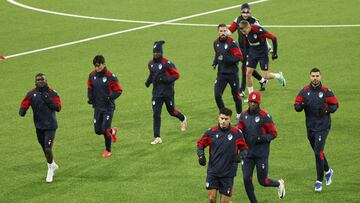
x: 125, y: 31
x: 170, y: 23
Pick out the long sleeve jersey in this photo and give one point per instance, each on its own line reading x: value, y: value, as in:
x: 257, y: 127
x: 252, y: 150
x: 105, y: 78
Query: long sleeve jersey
x: 224, y: 146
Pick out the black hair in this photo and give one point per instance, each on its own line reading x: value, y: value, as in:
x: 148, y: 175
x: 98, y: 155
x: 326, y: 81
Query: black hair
x: 221, y: 25
x: 225, y: 111
x: 245, y: 6
x: 99, y: 59
x: 243, y: 24
x: 40, y: 75
x: 315, y: 70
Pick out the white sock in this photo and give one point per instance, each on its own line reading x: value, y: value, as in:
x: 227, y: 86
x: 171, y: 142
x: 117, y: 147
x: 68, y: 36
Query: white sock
x: 262, y: 80
x: 327, y: 172
x: 238, y: 116
x: 277, y: 75
x: 50, y: 165
x: 250, y: 89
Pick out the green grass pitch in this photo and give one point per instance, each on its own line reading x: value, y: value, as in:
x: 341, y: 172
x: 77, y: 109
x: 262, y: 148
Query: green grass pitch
x: 137, y: 171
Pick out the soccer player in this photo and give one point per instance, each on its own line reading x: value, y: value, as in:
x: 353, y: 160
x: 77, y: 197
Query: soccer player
x: 244, y: 46
x: 227, y: 57
x: 259, y: 130
x: 44, y: 102
x: 225, y: 142
x: 103, y: 90
x: 258, y: 52
x: 162, y: 74
x: 318, y: 102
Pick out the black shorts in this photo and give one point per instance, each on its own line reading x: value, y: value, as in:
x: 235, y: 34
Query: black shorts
x: 223, y: 184
x: 45, y: 137
x: 253, y: 60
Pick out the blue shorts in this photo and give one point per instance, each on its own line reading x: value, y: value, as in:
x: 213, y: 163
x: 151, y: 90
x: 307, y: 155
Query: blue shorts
x: 223, y: 184
x: 253, y: 60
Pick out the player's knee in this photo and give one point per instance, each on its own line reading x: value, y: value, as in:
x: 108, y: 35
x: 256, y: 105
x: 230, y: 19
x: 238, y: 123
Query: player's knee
x: 156, y: 116
x: 236, y: 96
x: 212, y: 197
x: 248, y: 179
x: 319, y: 155
x: 47, y: 150
x: 98, y: 131
x: 264, y: 181
x: 218, y: 96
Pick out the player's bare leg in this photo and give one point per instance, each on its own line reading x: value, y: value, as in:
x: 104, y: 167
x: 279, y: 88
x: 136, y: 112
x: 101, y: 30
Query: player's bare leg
x: 249, y: 81
x: 212, y: 195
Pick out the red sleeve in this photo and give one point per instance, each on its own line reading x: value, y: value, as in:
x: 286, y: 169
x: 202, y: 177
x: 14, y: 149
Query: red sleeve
x: 56, y: 100
x: 204, y: 141
x: 233, y: 27
x: 25, y: 103
x: 270, y: 36
x: 90, y: 85
x: 241, y: 144
x: 235, y: 51
x: 299, y: 99
x: 241, y: 125
x: 331, y: 100
x: 269, y: 128
x: 115, y: 86
x: 172, y: 72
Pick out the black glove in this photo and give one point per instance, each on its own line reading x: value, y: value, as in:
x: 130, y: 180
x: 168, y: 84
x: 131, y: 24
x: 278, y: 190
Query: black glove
x: 274, y: 56
x: 90, y: 101
x: 213, y: 66
x: 202, y: 160
x: 323, y: 111
x: 241, y: 156
x: 147, y: 83
x: 22, y: 112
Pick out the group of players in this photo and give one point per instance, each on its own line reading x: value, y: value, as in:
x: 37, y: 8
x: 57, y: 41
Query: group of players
x: 249, y: 143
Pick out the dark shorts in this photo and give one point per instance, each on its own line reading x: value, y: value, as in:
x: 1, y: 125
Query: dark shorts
x: 223, y: 184
x: 45, y: 137
x: 253, y: 60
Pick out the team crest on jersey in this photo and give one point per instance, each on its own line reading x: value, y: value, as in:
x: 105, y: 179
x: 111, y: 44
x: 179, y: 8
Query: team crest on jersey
x: 255, y: 36
x: 246, y: 117
x: 35, y: 95
x: 160, y: 66
x: 226, y: 46
x: 104, y: 79
x: 321, y: 94
x: 217, y: 135
x: 308, y: 93
x: 152, y: 65
x: 94, y: 77
x: 257, y: 119
x: 230, y: 137
x: 217, y: 45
